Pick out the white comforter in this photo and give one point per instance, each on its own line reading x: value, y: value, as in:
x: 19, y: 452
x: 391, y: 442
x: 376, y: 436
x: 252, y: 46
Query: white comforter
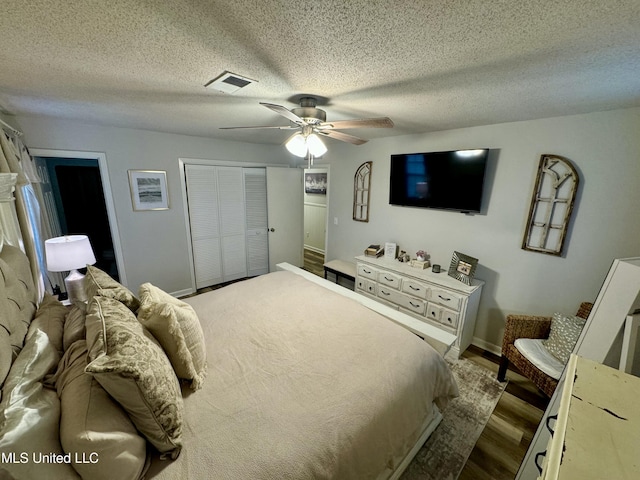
x: 303, y: 384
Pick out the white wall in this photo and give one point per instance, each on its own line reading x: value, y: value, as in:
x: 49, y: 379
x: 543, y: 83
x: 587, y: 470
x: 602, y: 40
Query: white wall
x: 604, y: 147
x: 154, y: 244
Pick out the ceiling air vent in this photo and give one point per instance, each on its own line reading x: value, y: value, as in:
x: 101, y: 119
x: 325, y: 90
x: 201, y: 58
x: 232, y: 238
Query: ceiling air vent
x: 229, y: 82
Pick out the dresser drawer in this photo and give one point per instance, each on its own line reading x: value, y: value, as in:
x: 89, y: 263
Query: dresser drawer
x: 446, y: 298
x: 414, y: 288
x: 365, y: 285
x: 367, y: 271
x: 433, y: 311
x: 389, y: 279
x: 449, y: 317
x: 416, y: 305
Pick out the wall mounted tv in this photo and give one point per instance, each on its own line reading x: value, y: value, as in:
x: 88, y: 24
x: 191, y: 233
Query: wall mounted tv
x: 447, y: 180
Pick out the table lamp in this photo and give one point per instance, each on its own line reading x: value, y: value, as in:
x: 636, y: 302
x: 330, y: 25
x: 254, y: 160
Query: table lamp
x: 68, y: 254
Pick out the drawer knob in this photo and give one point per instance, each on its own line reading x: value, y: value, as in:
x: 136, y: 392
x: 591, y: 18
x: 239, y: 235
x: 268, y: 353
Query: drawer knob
x: 417, y: 289
x: 414, y: 305
x: 387, y: 278
x: 444, y: 298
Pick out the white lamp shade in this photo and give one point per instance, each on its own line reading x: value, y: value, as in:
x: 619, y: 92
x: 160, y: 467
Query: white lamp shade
x: 315, y: 145
x: 297, y: 145
x: 68, y: 253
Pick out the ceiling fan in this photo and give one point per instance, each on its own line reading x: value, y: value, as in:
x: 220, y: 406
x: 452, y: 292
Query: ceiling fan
x: 311, y: 123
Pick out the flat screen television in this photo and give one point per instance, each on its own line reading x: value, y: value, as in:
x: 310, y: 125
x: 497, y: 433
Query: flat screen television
x: 447, y: 180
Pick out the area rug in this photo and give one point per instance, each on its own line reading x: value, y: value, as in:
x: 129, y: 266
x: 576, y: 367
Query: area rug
x: 445, y: 453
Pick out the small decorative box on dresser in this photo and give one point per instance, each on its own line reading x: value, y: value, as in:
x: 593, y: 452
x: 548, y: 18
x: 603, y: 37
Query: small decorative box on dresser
x: 434, y: 298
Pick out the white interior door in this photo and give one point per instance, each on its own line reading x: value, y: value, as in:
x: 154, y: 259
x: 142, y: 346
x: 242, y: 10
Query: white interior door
x: 285, y: 206
x: 202, y: 185
x: 255, y: 194
x: 232, y: 222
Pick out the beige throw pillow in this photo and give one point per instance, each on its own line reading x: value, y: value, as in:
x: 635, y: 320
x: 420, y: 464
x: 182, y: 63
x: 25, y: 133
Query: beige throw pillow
x: 50, y: 318
x: 127, y: 361
x: 97, y: 282
x: 175, y: 325
x: 74, y: 328
x: 94, y: 429
x: 565, y: 330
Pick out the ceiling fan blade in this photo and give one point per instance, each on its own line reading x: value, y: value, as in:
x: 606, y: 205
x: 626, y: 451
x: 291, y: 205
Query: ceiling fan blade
x: 285, y: 113
x: 287, y: 127
x: 380, y: 122
x: 342, y: 136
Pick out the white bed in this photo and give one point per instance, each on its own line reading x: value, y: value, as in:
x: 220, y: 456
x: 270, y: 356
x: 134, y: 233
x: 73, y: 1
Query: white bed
x: 302, y: 383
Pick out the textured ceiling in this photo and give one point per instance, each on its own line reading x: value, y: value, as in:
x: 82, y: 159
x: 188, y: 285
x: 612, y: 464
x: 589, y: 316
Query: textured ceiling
x: 428, y: 65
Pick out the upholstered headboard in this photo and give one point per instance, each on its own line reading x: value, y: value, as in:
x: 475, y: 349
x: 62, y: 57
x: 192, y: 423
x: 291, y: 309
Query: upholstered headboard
x: 18, y: 302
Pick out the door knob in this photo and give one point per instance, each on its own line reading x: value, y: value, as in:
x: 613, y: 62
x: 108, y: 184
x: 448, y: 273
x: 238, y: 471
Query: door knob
x: 272, y: 229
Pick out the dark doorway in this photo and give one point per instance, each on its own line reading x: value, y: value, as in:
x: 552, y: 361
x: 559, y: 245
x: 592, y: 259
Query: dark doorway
x: 77, y: 190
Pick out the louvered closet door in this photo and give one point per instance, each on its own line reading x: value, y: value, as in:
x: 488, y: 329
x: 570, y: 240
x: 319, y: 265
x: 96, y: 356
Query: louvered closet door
x: 232, y: 222
x: 255, y: 194
x: 204, y: 221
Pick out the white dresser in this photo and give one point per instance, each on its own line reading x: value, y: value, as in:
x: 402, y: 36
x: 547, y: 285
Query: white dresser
x: 597, y: 432
x: 435, y: 298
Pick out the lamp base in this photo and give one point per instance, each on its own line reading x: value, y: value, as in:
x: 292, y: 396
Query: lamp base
x: 75, y: 287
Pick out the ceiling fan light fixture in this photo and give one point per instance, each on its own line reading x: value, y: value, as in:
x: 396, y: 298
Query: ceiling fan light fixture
x: 316, y: 147
x: 297, y: 145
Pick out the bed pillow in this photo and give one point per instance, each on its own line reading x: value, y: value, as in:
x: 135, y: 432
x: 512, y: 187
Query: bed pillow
x: 97, y: 282
x: 30, y: 414
x: 50, y: 318
x: 175, y: 325
x: 565, y: 330
x: 74, y: 328
x: 130, y: 365
x: 93, y: 427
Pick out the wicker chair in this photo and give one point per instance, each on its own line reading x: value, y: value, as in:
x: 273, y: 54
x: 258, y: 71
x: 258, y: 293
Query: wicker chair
x: 527, y: 326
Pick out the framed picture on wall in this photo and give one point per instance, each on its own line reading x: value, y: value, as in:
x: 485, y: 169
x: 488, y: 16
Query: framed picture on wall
x: 148, y: 190
x: 315, y: 183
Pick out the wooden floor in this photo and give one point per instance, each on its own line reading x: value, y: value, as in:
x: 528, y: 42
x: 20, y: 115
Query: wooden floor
x: 506, y: 438
x: 313, y: 262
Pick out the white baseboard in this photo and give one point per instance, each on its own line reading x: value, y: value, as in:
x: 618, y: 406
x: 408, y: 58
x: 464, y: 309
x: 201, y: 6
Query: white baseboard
x: 314, y: 249
x: 182, y: 293
x: 489, y: 347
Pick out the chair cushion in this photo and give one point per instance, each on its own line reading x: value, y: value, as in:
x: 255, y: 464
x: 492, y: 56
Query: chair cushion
x: 565, y: 330
x: 534, y: 350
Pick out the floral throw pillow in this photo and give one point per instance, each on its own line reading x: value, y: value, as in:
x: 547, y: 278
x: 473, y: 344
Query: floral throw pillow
x: 97, y: 282
x: 565, y: 330
x: 130, y: 365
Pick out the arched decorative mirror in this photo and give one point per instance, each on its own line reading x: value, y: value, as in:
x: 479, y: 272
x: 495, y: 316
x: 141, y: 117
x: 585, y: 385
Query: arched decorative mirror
x: 361, y: 186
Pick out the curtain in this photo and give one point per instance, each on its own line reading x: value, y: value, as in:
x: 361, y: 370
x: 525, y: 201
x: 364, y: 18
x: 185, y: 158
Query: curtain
x: 9, y: 230
x: 14, y: 158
